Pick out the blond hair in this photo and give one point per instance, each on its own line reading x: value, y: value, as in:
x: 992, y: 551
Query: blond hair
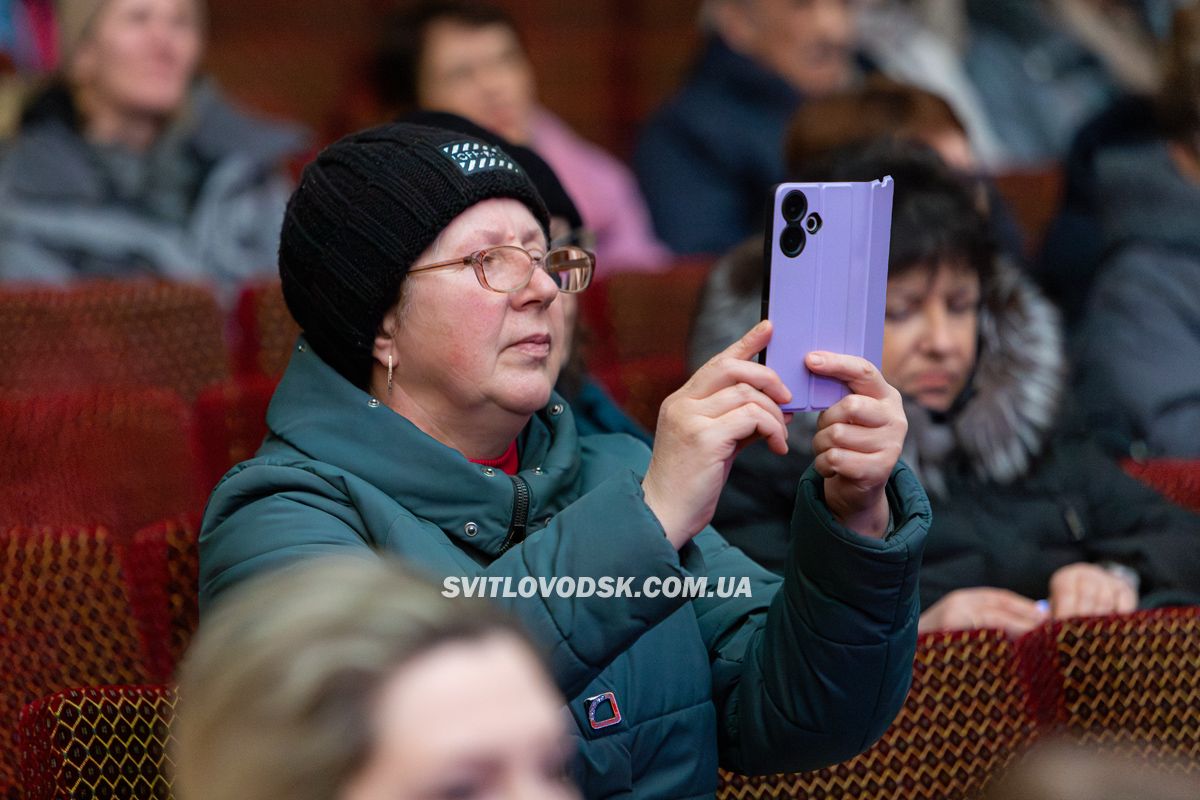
x: 276, y: 691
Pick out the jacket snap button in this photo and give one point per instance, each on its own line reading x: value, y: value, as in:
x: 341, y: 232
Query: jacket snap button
x: 373, y: 403
x: 300, y: 347
x: 489, y: 471
x: 556, y: 409
x: 538, y: 471
x: 470, y: 529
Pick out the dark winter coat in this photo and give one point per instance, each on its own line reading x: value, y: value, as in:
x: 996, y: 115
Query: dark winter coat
x: 1016, y: 491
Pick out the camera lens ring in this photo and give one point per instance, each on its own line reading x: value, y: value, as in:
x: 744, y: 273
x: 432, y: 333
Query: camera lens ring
x: 794, y: 206
x: 813, y: 223
x: 792, y: 241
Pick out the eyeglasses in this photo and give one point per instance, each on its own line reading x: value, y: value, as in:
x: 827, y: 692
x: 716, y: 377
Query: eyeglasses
x: 508, y: 268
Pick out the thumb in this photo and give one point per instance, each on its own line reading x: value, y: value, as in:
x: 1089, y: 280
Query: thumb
x: 751, y: 343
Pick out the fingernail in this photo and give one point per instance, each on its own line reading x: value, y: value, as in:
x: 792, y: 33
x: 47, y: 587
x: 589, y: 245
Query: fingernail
x: 816, y: 360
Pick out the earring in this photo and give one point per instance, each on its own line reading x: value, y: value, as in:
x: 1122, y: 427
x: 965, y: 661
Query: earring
x: 389, y: 374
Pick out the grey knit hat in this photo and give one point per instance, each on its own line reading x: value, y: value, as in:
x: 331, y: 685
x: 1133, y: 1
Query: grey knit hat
x: 365, y: 209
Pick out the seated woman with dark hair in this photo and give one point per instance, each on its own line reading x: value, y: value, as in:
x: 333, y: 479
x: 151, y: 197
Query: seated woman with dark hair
x: 1024, y: 508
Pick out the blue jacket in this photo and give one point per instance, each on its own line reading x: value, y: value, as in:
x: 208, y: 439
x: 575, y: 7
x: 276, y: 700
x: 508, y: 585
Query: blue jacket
x: 807, y: 671
x: 706, y: 159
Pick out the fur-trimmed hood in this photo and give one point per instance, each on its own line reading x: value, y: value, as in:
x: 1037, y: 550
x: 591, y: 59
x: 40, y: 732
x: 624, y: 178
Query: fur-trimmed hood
x: 1001, y: 423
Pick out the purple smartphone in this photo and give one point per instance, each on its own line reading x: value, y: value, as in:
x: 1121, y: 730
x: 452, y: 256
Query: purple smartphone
x: 826, y: 257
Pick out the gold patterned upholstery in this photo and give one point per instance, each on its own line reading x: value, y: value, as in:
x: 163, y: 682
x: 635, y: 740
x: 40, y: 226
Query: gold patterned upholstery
x: 163, y: 564
x: 266, y: 331
x: 65, y: 621
x: 1132, y: 683
x: 98, y: 743
x: 967, y: 715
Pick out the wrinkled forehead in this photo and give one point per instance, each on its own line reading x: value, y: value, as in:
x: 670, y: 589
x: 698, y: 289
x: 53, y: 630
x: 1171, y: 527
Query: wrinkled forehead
x: 488, y: 223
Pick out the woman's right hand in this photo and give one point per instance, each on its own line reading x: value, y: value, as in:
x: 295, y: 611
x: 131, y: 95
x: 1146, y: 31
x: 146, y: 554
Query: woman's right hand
x: 982, y: 607
x: 730, y: 402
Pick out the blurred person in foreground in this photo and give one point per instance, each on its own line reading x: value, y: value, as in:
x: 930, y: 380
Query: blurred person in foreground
x: 356, y: 680
x: 129, y: 164
x: 1026, y: 506
x: 1067, y: 770
x: 706, y: 158
x: 468, y: 58
x: 417, y: 418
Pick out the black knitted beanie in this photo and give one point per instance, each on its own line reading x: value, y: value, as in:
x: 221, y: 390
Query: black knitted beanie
x: 364, y: 210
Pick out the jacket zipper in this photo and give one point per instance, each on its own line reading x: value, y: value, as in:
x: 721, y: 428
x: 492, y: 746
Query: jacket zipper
x: 520, y: 515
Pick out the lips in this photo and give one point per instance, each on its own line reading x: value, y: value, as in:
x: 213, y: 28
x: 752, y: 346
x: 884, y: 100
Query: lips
x: 536, y: 345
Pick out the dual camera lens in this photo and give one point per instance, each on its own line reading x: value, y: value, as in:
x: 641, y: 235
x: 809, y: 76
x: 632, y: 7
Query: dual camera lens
x: 795, y: 212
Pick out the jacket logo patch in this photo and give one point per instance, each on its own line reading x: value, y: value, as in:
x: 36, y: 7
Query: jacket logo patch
x: 595, y: 708
x: 472, y: 157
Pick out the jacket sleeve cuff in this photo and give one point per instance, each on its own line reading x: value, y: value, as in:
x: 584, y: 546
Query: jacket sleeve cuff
x: 836, y: 576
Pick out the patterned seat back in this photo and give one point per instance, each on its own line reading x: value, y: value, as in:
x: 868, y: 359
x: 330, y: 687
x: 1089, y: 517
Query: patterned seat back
x: 163, y: 565
x: 638, y: 331
x: 266, y: 331
x: 121, y: 458
x: 1132, y: 684
x: 119, y: 334
x: 66, y: 621
x: 968, y: 713
x: 231, y: 421
x: 104, y: 742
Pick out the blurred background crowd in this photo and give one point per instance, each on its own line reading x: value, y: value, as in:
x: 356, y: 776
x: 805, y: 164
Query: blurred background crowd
x: 1045, y: 255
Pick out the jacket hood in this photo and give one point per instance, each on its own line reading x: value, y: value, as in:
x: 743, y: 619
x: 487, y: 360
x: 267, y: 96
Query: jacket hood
x: 1003, y: 420
x: 1141, y: 197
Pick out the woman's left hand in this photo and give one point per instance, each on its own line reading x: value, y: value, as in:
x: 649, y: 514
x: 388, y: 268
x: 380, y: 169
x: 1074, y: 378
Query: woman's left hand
x: 1083, y: 589
x: 858, y: 442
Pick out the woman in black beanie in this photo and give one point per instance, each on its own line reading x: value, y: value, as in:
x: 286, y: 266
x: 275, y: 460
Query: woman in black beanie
x: 417, y: 417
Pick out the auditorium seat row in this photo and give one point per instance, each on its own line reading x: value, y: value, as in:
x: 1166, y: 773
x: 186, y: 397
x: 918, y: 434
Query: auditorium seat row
x: 978, y: 701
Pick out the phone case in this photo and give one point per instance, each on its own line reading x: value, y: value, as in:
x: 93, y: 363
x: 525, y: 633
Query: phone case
x: 826, y: 257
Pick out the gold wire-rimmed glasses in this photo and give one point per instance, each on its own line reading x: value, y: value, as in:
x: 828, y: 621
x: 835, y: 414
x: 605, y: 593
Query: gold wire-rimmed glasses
x: 508, y: 268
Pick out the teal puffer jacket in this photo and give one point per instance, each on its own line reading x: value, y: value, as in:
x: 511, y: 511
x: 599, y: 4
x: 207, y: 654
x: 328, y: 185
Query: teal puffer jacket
x: 807, y: 671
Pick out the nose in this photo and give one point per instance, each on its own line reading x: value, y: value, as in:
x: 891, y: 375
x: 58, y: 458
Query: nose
x: 541, y: 290
x: 937, y: 339
x: 834, y: 20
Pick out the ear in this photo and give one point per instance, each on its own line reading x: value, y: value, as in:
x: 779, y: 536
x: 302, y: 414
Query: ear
x: 733, y: 20
x: 385, y: 343
x: 82, y: 65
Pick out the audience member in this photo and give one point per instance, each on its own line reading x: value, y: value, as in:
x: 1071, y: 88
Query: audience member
x: 908, y: 40
x: 356, y: 680
x: 1025, y: 507
x: 1139, y: 341
x: 128, y: 165
x: 1044, y: 67
x: 847, y: 120
x: 417, y: 418
x: 468, y: 58
x: 706, y: 158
